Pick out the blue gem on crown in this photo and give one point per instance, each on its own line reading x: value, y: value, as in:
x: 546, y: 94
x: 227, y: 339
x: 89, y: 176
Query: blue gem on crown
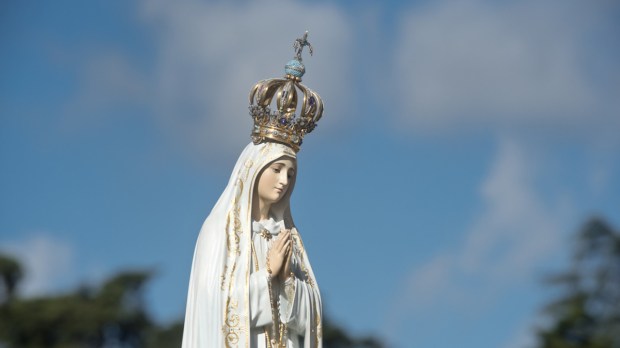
x: 295, y: 68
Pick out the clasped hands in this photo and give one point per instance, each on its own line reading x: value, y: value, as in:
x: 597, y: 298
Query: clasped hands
x: 279, y: 257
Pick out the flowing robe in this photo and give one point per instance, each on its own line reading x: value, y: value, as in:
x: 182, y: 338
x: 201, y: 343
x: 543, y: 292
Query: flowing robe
x: 297, y: 296
x: 225, y: 281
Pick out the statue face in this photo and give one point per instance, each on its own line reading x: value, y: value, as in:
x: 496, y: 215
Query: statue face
x: 275, y: 179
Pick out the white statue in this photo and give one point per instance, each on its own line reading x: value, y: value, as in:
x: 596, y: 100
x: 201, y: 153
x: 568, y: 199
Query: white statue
x: 251, y: 283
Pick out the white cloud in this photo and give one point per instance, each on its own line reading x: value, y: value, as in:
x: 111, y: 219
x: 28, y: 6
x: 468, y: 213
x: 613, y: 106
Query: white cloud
x: 47, y: 263
x: 602, y: 167
x: 525, y: 335
x: 517, y: 229
x: 109, y: 82
x: 436, y: 274
x: 473, y: 63
x: 207, y: 56
x: 211, y: 54
x: 508, y: 243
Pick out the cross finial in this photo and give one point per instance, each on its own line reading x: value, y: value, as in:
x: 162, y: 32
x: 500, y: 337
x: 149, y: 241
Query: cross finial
x: 299, y: 44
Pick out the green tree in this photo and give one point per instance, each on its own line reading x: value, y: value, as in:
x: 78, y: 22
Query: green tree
x: 10, y: 275
x: 587, y: 315
x: 335, y: 336
x: 111, y: 314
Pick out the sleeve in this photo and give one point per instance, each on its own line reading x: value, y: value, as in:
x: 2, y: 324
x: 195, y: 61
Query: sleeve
x: 298, y: 299
x: 260, y: 306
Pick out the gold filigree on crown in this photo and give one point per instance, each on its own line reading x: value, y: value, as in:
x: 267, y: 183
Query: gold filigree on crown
x: 281, y: 122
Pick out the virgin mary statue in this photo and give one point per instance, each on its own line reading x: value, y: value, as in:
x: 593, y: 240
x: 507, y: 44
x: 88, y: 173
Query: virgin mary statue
x: 251, y: 283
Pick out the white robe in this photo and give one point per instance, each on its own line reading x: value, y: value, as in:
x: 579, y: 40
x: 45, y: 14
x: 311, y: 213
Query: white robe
x: 295, y: 295
x: 220, y: 311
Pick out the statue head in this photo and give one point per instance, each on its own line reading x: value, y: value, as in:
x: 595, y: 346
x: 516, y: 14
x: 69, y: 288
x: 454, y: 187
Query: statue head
x: 273, y: 186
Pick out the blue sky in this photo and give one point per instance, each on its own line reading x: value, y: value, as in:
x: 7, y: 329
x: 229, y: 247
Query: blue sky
x: 462, y: 144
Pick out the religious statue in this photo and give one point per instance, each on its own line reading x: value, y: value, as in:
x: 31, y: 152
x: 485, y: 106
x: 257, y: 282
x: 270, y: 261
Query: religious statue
x: 251, y: 283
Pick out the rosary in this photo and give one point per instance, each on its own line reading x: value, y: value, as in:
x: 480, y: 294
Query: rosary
x: 279, y: 332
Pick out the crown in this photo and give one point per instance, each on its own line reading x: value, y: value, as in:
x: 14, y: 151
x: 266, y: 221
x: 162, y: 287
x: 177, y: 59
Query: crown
x: 283, y: 123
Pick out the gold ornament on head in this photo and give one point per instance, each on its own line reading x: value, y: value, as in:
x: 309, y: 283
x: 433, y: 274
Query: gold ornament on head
x: 281, y: 122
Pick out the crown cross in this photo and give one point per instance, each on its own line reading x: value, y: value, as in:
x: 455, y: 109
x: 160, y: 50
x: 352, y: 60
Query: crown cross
x: 299, y: 44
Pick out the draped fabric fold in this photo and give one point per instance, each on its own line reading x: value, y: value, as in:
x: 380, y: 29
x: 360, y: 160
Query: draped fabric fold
x: 218, y: 301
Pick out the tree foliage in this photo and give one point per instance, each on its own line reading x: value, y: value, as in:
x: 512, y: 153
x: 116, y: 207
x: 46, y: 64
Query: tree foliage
x: 335, y: 336
x: 587, y: 315
x: 112, y: 314
x: 11, y: 274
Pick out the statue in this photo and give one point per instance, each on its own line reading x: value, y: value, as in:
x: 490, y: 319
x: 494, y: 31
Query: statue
x: 251, y: 283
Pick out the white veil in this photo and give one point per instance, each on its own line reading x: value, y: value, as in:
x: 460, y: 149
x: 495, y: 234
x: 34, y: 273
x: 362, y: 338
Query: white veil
x: 217, y: 313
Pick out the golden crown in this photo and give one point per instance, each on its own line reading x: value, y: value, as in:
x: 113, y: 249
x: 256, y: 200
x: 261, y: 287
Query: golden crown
x: 283, y: 124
